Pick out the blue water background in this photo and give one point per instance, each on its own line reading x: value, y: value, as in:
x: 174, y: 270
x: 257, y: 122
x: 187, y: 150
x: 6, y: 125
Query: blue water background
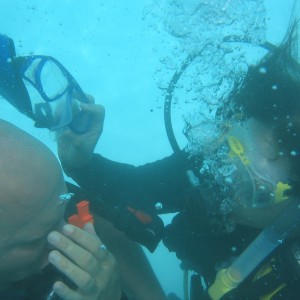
x: 110, y: 50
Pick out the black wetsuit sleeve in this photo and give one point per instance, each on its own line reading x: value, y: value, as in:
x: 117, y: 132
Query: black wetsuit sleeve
x: 163, y: 181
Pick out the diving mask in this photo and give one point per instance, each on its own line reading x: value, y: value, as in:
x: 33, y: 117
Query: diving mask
x: 240, y: 174
x: 41, y: 88
x: 260, y: 181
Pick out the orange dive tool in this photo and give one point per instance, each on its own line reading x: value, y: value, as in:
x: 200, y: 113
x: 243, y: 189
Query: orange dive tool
x: 83, y: 215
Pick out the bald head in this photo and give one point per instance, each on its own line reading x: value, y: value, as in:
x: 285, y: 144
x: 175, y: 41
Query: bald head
x: 29, y: 176
x: 30, y: 184
x: 27, y: 166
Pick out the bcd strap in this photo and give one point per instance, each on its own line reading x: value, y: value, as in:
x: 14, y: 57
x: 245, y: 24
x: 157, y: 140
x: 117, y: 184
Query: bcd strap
x: 139, y: 226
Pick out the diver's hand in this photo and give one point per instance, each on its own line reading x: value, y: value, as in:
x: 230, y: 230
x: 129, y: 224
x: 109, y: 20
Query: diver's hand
x: 76, y: 150
x: 80, y: 258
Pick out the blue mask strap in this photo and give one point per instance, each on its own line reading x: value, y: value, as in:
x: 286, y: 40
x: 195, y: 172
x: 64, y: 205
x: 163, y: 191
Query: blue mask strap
x: 12, y: 87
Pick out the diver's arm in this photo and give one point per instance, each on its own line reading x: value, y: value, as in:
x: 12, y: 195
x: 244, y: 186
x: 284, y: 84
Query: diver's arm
x: 163, y: 181
x: 137, y: 277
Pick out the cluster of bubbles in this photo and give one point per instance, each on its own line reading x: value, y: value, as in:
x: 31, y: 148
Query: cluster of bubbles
x: 196, y: 22
x: 224, y: 36
x: 217, y: 173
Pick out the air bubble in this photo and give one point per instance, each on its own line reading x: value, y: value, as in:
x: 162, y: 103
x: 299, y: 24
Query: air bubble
x: 228, y: 180
x: 262, y: 187
x: 66, y: 197
x: 263, y: 70
x: 158, y: 206
x: 274, y: 87
x: 293, y: 153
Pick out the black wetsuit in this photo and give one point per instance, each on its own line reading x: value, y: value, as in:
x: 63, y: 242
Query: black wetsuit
x: 165, y: 181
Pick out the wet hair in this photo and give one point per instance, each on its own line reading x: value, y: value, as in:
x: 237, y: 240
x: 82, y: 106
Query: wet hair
x: 270, y: 93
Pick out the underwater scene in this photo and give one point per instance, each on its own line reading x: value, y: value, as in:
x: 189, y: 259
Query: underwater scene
x: 172, y: 126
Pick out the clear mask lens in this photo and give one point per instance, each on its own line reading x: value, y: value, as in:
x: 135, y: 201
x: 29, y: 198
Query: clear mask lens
x: 55, y: 114
x: 49, y: 92
x: 253, y: 191
x: 54, y: 83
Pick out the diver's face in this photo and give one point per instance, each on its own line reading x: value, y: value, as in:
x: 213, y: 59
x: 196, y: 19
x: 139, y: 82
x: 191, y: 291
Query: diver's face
x: 266, y: 158
x: 268, y: 166
x: 23, y: 243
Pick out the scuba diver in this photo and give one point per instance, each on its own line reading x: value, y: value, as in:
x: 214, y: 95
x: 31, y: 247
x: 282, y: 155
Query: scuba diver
x: 237, y: 230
